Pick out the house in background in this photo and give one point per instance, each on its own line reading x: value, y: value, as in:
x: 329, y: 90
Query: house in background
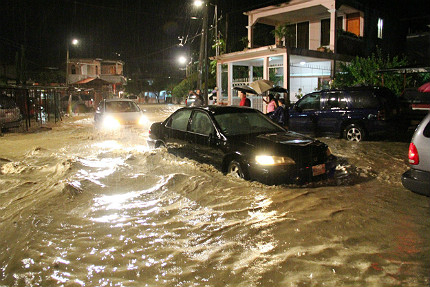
x: 320, y: 34
x: 80, y: 71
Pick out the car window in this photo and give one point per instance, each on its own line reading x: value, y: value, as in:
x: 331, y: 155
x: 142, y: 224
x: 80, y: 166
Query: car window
x: 201, y: 124
x: 310, y: 102
x: 121, y: 107
x: 364, y: 100
x: 244, y: 123
x: 335, y: 100
x: 179, y: 120
x: 426, y: 131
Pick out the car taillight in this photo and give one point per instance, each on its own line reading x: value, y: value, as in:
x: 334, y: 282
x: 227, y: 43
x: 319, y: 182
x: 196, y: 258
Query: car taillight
x: 413, y: 154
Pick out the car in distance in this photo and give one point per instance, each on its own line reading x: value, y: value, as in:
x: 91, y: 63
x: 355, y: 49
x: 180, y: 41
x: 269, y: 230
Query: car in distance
x: 10, y: 114
x: 112, y: 114
x: 417, y: 178
x: 351, y: 113
x: 244, y: 142
x: 189, y: 101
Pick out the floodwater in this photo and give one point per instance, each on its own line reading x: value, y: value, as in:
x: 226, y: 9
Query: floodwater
x: 79, y: 208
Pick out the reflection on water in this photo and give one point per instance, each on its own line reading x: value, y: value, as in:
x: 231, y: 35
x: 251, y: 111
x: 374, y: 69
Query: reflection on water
x: 107, y: 211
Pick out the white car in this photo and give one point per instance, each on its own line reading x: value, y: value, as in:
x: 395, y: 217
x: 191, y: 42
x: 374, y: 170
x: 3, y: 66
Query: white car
x: 417, y: 178
x: 113, y: 114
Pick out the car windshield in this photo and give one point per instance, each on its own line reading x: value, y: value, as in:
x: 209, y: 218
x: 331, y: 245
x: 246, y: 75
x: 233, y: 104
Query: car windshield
x: 121, y: 107
x: 242, y: 123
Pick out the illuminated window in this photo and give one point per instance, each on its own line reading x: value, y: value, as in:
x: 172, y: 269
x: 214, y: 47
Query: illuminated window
x: 380, y: 26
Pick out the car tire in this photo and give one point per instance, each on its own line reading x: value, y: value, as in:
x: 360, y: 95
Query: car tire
x: 160, y: 144
x: 354, y: 132
x: 237, y: 170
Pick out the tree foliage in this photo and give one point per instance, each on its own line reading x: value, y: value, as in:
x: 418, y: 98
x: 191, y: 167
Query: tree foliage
x: 364, y: 72
x: 180, y: 91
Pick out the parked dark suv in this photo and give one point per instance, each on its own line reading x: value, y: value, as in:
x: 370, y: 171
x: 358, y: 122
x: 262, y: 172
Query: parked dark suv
x: 351, y: 113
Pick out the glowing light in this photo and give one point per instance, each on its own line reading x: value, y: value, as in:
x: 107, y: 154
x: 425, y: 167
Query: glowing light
x: 182, y: 60
x: 198, y: 3
x: 143, y: 120
x: 273, y: 160
x: 110, y: 123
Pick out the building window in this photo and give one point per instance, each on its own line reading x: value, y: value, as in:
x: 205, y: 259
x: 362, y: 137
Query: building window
x: 353, y: 23
x: 325, y: 32
x: 380, y: 27
x: 325, y: 29
x: 303, y: 35
x: 291, y: 35
x: 73, y: 68
x: 298, y: 35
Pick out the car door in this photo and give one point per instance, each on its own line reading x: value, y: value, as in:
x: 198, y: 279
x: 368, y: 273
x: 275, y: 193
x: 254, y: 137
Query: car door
x: 332, y: 114
x: 202, y: 140
x: 304, y: 114
x: 176, y: 129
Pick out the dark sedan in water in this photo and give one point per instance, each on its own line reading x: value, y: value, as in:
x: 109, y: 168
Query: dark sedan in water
x: 243, y: 142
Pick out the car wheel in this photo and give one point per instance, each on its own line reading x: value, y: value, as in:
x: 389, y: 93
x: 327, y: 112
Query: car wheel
x: 354, y: 133
x: 159, y: 144
x: 236, y: 170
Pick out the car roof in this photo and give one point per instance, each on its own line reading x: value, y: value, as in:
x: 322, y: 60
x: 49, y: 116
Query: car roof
x: 118, y: 100
x: 213, y: 109
x: 358, y: 88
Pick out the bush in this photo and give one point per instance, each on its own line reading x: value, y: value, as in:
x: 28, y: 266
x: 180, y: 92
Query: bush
x: 364, y: 72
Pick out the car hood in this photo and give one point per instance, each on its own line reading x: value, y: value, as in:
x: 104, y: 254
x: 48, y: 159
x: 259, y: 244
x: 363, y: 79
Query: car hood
x: 280, y: 138
x: 283, y: 143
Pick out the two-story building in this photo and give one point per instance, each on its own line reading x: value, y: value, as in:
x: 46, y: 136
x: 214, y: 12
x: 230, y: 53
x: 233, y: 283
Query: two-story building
x: 319, y: 34
x: 84, y: 71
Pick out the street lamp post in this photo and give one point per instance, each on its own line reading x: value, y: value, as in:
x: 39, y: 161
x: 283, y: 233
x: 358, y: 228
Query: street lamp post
x: 204, y: 46
x: 74, y: 43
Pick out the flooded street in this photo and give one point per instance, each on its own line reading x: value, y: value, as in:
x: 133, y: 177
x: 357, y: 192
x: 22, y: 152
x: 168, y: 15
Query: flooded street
x: 81, y: 208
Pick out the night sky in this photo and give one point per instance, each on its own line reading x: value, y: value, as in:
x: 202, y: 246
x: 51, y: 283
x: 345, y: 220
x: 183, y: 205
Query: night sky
x: 143, y: 34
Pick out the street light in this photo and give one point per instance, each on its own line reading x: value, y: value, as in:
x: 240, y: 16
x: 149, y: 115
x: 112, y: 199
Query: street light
x: 74, y: 42
x: 182, y: 60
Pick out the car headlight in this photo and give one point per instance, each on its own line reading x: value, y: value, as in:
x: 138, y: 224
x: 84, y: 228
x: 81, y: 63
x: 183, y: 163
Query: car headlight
x: 110, y: 123
x: 143, y: 120
x: 273, y: 160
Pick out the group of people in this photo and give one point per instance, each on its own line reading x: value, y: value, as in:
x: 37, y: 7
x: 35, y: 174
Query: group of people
x: 277, y: 110
x: 200, y: 101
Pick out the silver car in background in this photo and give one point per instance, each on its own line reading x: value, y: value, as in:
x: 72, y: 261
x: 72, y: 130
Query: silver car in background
x: 113, y: 114
x: 417, y: 178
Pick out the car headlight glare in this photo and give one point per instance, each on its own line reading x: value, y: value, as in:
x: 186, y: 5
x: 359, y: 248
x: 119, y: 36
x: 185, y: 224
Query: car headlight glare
x: 143, y: 120
x: 273, y: 160
x: 111, y: 123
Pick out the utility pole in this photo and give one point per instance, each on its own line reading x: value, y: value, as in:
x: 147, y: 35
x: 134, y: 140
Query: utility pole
x: 203, y: 50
